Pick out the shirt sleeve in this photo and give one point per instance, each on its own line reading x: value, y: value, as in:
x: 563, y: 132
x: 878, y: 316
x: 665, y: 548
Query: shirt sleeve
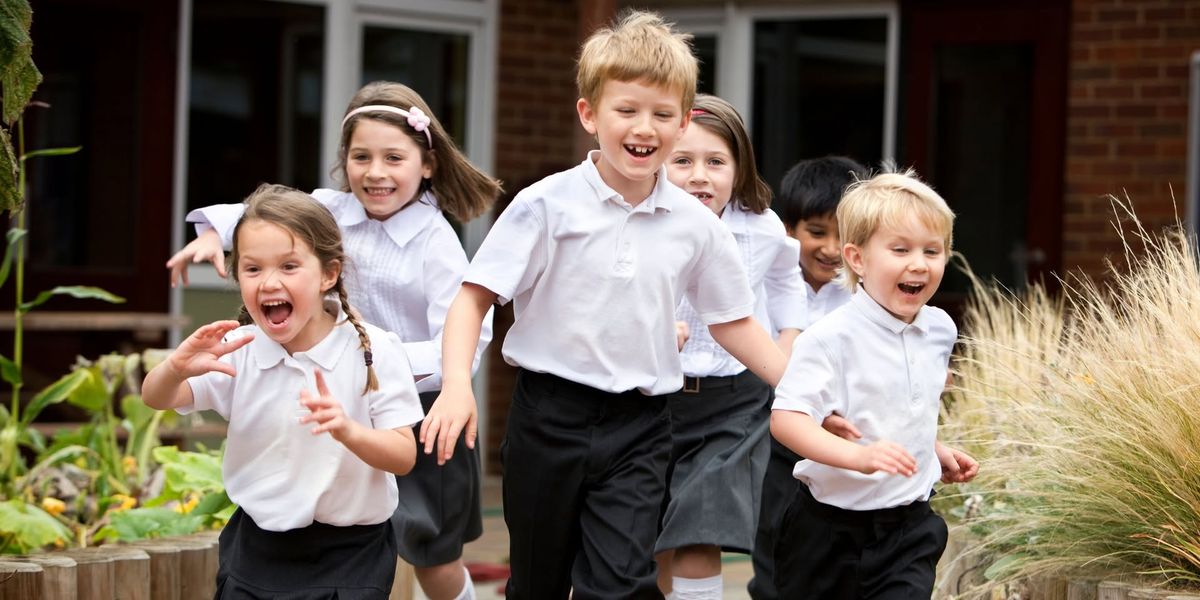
x: 719, y: 289
x: 220, y: 217
x: 787, y: 301
x: 395, y: 404
x: 810, y: 384
x: 513, y: 254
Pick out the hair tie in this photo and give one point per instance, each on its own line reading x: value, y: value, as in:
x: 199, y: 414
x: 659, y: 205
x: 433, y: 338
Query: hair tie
x: 417, y: 119
x: 699, y: 111
x: 367, y: 357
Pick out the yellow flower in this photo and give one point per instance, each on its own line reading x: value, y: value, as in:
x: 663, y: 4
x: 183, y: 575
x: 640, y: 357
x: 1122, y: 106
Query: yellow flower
x: 127, y: 502
x: 129, y: 465
x: 53, y: 506
x: 187, y: 505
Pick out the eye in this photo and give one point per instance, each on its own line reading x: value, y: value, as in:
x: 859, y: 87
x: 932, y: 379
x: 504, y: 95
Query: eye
x: 625, y: 110
x: 664, y: 115
x: 681, y: 161
x: 933, y: 252
x: 358, y: 157
x: 716, y: 162
x: 395, y: 158
x: 249, y: 269
x: 290, y: 266
x: 900, y: 250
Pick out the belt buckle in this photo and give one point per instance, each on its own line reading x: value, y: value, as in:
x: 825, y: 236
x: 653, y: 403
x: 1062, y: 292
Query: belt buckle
x: 691, y: 385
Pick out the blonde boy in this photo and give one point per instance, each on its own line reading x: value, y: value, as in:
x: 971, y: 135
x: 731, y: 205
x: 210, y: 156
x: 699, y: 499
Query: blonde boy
x: 595, y: 260
x: 860, y: 524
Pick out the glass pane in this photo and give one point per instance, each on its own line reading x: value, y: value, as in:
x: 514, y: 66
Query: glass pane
x: 432, y: 63
x: 705, y: 48
x: 980, y: 154
x: 255, y: 104
x: 818, y: 90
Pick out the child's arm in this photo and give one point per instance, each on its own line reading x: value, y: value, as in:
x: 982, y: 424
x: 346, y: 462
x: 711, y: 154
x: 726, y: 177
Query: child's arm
x: 748, y: 342
x: 800, y: 433
x: 957, y: 466
x: 455, y: 407
x: 785, y: 340
x: 205, y: 248
x: 391, y: 450
x: 166, y: 385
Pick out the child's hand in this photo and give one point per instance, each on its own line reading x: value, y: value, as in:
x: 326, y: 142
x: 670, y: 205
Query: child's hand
x: 839, y: 426
x: 326, y: 412
x: 888, y: 457
x: 682, y: 333
x: 957, y: 466
x: 206, y: 247
x: 451, y: 414
x: 198, y: 354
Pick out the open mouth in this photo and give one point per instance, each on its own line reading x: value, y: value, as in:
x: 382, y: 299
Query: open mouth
x: 276, y: 312
x: 640, y: 151
x: 704, y: 197
x: 829, y: 263
x: 379, y: 191
x: 912, y: 289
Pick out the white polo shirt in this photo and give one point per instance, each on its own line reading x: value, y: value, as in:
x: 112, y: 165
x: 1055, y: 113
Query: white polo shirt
x: 771, y: 259
x: 281, y: 474
x: 594, y: 281
x: 823, y: 301
x: 402, y: 275
x: 886, y: 377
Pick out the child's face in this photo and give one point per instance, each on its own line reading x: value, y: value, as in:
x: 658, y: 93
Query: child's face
x: 900, y: 267
x: 637, y: 125
x: 384, y: 168
x: 282, y: 285
x: 820, y: 248
x: 703, y: 166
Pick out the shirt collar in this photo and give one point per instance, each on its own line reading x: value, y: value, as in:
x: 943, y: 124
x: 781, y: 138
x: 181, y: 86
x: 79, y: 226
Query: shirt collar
x: 401, y: 227
x: 880, y: 316
x: 326, y: 353
x: 660, y: 196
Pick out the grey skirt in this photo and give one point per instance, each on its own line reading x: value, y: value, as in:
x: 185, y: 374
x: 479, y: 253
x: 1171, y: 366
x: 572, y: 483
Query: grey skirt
x: 719, y: 453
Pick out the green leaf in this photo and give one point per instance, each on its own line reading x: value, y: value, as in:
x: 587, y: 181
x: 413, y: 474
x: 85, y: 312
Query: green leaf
x: 142, y: 523
x: 10, y: 371
x: 91, y: 394
x: 51, y: 152
x: 15, y: 20
x: 136, y: 411
x: 34, y: 439
x: 76, y: 291
x: 1007, y: 564
x: 194, y: 472
x: 30, y: 526
x: 53, y: 394
x: 19, y: 80
x: 18, y: 76
x: 13, y: 236
x: 10, y: 195
x: 212, y: 503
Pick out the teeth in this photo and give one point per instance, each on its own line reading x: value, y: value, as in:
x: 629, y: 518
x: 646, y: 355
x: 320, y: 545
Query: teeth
x: 911, y: 288
x: 274, y: 303
x: 642, y: 150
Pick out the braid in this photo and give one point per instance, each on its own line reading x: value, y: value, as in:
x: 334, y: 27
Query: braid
x: 244, y: 317
x: 363, y: 339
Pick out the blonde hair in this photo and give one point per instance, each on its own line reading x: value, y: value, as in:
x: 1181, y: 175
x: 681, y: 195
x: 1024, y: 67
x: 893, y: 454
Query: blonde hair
x: 460, y: 187
x: 722, y: 120
x: 311, y: 223
x: 638, y: 46
x: 889, y: 199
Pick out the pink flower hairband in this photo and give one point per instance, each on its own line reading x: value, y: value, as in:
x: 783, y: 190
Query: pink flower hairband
x: 417, y: 119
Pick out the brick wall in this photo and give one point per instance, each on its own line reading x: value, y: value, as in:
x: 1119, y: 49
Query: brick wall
x: 1126, y: 118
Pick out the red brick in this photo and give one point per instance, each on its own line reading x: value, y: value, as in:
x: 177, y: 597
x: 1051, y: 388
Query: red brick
x: 1122, y: 52
x: 1088, y: 149
x: 1161, y: 129
x: 1183, y: 31
x: 1136, y: 149
x: 1166, y: 13
x: 1111, y: 130
x: 1090, y: 111
x: 1162, y: 90
x: 1140, y: 32
x: 1086, y: 34
x: 1161, y: 167
x: 1169, y: 51
x: 1174, y: 110
x: 1114, y: 168
x: 1139, y: 71
x: 1118, y: 91
x: 1092, y: 72
x: 1176, y: 147
x: 1136, y: 110
x: 1117, y: 15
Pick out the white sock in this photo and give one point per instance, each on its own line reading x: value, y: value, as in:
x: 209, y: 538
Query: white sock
x: 708, y: 588
x: 468, y: 591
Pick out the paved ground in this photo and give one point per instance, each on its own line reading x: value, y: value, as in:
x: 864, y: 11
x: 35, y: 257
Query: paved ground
x: 492, y: 548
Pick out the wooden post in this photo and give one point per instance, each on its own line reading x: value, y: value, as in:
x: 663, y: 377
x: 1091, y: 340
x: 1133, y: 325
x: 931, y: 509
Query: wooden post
x: 131, y: 572
x: 58, y: 575
x: 1113, y: 590
x: 1081, y: 589
x: 404, y: 583
x: 20, y: 581
x: 1048, y: 588
x: 93, y: 574
x: 164, y: 568
x: 1148, y: 594
x: 197, y: 578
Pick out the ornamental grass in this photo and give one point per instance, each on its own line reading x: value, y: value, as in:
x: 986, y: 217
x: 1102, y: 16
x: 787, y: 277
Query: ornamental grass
x: 1084, y: 410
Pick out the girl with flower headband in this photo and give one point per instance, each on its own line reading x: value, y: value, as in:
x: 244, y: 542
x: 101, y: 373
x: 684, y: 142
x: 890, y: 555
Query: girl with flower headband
x: 400, y: 172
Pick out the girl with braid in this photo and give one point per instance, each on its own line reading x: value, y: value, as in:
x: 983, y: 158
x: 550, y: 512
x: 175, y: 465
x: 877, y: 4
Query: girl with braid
x: 320, y: 408
x: 400, y: 172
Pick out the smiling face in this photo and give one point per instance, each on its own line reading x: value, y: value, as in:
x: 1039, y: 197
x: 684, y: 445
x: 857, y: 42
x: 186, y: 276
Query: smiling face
x: 283, y: 284
x: 820, y: 248
x: 900, y: 266
x: 703, y: 165
x: 637, y: 125
x: 384, y: 167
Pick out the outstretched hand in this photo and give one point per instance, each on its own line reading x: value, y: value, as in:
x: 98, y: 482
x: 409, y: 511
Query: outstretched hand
x: 888, y: 457
x: 326, y: 412
x: 205, y: 248
x: 839, y: 426
x: 201, y: 351
x: 957, y: 466
x: 452, y: 414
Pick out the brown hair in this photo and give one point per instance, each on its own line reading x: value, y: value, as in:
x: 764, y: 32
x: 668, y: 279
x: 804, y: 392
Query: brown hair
x: 638, y: 46
x: 460, y: 187
x: 312, y: 224
x: 722, y: 120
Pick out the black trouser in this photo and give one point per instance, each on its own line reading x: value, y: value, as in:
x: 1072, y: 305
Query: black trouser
x: 778, y: 489
x: 584, y: 477
x: 828, y: 552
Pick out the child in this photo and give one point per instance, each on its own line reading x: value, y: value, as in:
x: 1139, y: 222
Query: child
x: 808, y: 199
x: 314, y: 509
x: 854, y: 529
x: 596, y: 259
x: 401, y: 170
x: 719, y: 420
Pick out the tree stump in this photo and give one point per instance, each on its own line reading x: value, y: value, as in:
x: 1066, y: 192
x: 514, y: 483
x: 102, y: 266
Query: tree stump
x: 20, y: 581
x: 58, y: 575
x: 164, y: 568
x: 93, y: 574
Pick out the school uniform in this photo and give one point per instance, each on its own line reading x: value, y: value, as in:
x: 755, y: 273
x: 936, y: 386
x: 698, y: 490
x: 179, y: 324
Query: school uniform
x: 594, y: 283
x: 778, y: 485
x: 846, y: 534
x: 402, y: 275
x: 313, y: 518
x: 721, y: 417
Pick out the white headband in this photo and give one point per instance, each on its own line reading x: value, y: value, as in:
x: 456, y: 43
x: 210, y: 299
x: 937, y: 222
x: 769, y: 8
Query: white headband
x: 417, y: 119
